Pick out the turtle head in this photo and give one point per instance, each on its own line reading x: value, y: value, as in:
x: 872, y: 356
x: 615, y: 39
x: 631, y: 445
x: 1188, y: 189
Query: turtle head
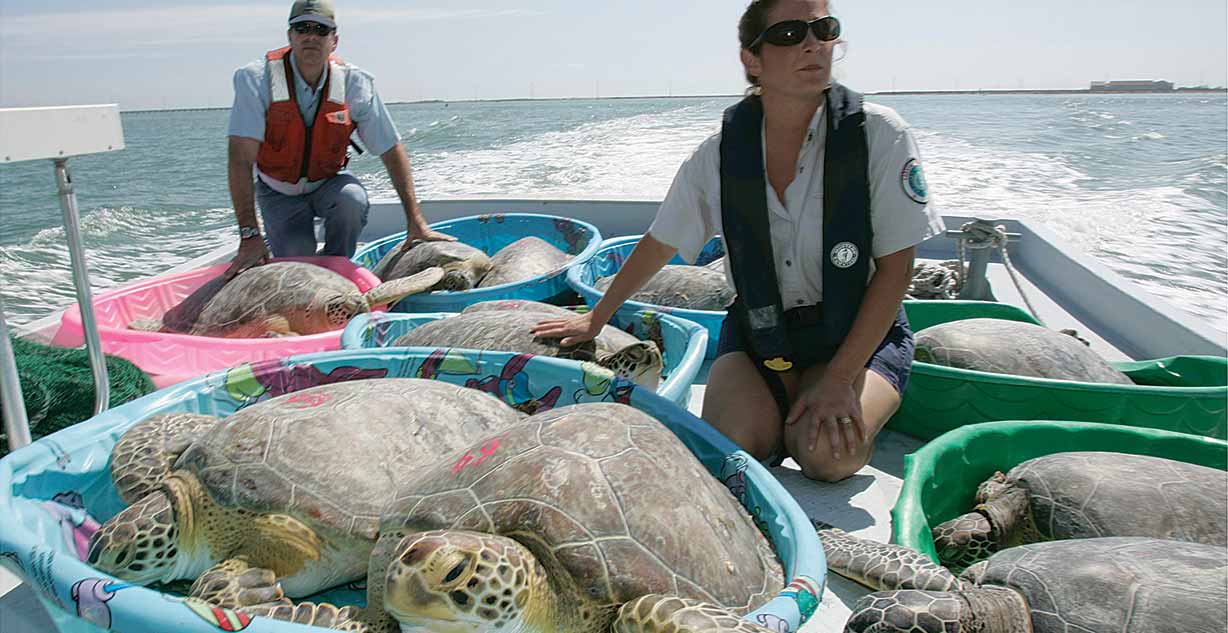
x: 458, y: 277
x: 641, y: 363
x: 457, y: 581
x: 141, y: 543
x: 992, y: 488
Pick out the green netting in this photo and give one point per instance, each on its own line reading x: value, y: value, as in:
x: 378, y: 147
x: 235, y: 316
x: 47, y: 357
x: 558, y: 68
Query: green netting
x: 58, y: 386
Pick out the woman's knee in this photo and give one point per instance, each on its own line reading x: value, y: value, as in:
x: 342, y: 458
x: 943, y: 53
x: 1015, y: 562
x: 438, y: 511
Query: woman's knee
x: 822, y: 464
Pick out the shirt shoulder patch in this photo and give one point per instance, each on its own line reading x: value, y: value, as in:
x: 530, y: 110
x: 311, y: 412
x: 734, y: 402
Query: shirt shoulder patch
x: 913, y: 181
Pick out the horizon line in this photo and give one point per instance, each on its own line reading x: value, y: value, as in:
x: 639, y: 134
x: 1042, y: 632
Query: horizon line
x: 886, y: 93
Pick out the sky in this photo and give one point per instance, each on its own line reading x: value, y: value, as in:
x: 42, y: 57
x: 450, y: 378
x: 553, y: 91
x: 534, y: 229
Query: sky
x: 144, y: 54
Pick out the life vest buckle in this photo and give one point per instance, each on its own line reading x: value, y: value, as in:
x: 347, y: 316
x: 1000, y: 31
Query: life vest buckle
x: 778, y: 364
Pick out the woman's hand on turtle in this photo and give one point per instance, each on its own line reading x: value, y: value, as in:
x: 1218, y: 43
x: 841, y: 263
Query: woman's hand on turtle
x: 572, y: 331
x: 252, y: 253
x: 831, y: 406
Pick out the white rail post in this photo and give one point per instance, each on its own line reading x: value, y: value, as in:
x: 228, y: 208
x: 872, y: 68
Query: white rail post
x: 16, y: 425
x: 81, y: 279
x: 57, y: 133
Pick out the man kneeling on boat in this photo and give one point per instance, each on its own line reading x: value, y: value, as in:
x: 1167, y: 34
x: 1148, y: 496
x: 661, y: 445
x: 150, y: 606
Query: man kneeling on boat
x: 293, y: 115
x: 805, y: 176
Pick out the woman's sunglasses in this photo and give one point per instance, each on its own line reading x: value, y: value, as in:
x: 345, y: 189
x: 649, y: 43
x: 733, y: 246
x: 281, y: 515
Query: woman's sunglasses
x: 313, y: 28
x: 793, y: 32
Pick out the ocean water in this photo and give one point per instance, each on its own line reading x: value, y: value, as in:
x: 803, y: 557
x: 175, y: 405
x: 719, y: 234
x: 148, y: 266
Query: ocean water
x: 1140, y: 182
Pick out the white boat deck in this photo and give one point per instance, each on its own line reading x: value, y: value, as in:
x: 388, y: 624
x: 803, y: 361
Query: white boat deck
x: 861, y: 504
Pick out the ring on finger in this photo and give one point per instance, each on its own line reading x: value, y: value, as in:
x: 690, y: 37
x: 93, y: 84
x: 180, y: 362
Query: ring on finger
x: 846, y: 420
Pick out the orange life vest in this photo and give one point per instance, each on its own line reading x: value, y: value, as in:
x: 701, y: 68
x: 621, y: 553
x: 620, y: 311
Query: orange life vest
x: 291, y: 150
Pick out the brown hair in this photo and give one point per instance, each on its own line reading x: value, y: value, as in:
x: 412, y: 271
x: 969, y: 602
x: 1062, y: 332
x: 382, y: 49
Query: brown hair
x: 753, y: 22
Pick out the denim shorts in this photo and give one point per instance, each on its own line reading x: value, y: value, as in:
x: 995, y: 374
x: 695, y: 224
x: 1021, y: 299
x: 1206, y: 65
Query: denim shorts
x: 892, y: 360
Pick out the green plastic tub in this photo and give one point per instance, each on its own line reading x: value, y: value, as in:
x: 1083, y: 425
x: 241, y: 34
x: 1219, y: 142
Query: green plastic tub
x: 940, y: 480
x: 1186, y: 394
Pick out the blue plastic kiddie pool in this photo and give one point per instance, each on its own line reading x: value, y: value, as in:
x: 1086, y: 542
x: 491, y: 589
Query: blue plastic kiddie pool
x: 52, y: 490
x: 490, y: 233
x: 609, y: 258
x: 683, y: 343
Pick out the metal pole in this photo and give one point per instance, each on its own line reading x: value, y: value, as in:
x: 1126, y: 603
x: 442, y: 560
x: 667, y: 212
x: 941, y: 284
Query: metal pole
x: 976, y: 286
x: 81, y: 279
x: 16, y: 425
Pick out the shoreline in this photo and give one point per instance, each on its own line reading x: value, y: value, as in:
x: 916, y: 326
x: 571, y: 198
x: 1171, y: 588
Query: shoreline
x: 879, y: 93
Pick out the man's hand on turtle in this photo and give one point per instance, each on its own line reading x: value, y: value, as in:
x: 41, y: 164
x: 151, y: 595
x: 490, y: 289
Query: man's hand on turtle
x: 252, y: 253
x: 424, y: 234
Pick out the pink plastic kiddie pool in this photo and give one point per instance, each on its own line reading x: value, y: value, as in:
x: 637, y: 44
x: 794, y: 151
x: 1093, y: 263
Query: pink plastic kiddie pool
x: 173, y: 358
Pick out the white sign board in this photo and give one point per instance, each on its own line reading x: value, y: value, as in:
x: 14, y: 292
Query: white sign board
x: 58, y: 132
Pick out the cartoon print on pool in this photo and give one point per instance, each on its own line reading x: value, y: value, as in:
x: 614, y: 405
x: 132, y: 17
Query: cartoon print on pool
x: 512, y: 387
x: 249, y: 384
x: 76, y: 525
x: 92, y: 595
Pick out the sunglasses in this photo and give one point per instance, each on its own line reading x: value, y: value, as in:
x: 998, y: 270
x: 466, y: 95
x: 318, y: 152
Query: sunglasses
x: 793, y: 32
x: 312, y: 28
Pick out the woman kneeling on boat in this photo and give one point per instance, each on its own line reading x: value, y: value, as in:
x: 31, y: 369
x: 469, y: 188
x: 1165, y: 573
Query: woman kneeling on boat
x: 806, y: 176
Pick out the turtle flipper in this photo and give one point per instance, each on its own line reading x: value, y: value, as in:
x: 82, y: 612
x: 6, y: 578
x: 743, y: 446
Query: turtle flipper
x: 993, y: 610
x: 964, y: 540
x: 641, y: 363
x: 390, y: 292
x: 657, y: 613
x: 234, y: 583
x: 276, y: 326
x: 881, y: 566
x: 143, y: 456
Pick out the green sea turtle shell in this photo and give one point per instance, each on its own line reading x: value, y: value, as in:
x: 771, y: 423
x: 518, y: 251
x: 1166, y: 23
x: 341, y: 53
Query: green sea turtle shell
x: 464, y: 265
x: 686, y: 287
x: 1014, y: 348
x: 311, y: 299
x: 1123, y: 585
x: 509, y: 331
x: 611, y: 339
x: 605, y: 495
x: 1090, y: 494
x: 332, y: 456
x: 526, y: 258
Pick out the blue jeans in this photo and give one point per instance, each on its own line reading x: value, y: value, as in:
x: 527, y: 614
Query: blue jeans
x: 289, y: 221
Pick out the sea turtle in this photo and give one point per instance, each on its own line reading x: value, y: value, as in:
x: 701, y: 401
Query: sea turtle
x: 688, y: 287
x: 294, y: 484
x: 1099, y: 585
x: 1016, y: 348
x: 526, y: 258
x: 463, y: 265
x: 553, y: 525
x: 511, y: 331
x: 1085, y: 495
x: 281, y: 299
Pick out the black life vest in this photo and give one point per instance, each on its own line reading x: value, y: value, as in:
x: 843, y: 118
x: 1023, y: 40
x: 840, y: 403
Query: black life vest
x: 847, y: 231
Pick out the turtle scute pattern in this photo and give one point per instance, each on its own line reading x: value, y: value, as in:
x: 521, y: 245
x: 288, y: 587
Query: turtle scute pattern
x: 1014, y: 348
x: 1124, y: 584
x: 464, y: 265
x: 525, y: 258
x: 311, y: 299
x: 1087, y: 494
x: 611, y: 504
x: 1097, y: 585
x: 297, y: 453
x: 685, y: 287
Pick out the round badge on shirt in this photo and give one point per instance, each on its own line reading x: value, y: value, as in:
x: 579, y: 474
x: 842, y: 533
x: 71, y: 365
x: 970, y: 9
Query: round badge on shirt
x: 844, y: 255
x: 913, y: 181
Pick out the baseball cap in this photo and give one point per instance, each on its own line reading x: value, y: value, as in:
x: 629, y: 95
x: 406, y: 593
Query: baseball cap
x: 314, y: 11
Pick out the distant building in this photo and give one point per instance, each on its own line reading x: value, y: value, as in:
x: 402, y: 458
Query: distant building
x: 1132, y: 86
